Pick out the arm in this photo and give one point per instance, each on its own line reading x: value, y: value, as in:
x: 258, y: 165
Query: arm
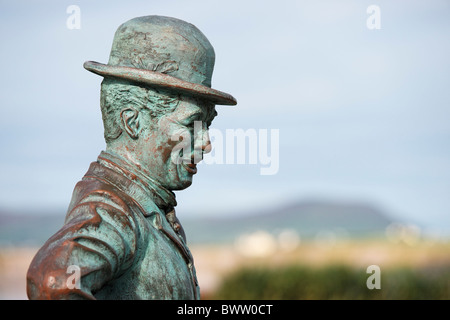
x: 98, y: 240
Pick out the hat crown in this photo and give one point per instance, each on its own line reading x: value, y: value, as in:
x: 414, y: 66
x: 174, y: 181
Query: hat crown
x: 166, y: 45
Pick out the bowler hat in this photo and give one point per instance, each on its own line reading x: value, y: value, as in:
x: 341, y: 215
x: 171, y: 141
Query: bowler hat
x: 163, y: 52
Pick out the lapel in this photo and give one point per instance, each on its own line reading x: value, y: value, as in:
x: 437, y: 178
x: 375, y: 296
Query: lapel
x: 162, y: 224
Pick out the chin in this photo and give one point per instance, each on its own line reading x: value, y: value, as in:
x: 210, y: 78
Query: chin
x: 181, y: 185
x: 181, y: 180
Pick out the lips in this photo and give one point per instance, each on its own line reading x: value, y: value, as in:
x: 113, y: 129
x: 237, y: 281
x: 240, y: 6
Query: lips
x: 190, y: 167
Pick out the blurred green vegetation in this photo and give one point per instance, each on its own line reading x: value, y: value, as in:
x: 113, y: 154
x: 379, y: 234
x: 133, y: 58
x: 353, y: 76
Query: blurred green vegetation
x: 334, y: 282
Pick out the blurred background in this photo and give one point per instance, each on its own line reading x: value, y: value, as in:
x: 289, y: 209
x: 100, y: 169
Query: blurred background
x: 363, y: 174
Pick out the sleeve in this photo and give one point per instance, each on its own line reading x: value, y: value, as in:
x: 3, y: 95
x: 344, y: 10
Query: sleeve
x: 96, y: 245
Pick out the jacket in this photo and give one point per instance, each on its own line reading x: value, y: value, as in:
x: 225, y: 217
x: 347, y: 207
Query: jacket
x: 122, y: 237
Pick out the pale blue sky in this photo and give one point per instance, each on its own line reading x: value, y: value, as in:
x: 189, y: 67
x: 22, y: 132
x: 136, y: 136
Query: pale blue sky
x: 363, y: 114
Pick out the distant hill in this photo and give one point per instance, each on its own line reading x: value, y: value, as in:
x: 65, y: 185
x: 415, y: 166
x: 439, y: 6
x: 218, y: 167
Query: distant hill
x: 28, y: 229
x: 306, y: 218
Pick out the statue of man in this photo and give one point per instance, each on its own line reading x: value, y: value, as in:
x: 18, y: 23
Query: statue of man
x: 121, y: 238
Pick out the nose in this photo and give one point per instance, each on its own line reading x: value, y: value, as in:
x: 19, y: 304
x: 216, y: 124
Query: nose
x: 202, y: 141
x: 206, y: 142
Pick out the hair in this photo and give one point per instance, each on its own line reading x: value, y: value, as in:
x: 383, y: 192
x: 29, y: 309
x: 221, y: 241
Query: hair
x: 117, y: 93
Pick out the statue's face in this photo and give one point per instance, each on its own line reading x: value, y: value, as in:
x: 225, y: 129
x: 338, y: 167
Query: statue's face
x: 171, y: 148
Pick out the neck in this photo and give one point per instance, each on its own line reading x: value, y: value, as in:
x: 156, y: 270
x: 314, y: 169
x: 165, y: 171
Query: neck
x: 117, y: 148
x: 127, y: 166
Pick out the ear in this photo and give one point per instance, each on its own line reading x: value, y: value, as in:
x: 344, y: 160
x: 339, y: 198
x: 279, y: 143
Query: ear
x: 130, y: 120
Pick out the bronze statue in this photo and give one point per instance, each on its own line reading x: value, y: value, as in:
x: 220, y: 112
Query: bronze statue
x: 121, y: 232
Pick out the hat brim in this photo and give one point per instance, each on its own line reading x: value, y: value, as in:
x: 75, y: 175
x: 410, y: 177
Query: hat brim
x: 161, y: 80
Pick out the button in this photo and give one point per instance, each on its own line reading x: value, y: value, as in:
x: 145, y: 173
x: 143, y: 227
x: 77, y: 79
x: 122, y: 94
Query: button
x: 176, y: 226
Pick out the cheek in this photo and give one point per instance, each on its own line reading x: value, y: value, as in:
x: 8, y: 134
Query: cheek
x: 161, y: 146
x: 149, y: 143
x: 175, y: 139
x: 166, y: 150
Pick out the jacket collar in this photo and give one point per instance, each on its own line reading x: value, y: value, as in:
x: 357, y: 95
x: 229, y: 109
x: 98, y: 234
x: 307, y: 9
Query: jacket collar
x: 150, y: 188
x: 153, y: 200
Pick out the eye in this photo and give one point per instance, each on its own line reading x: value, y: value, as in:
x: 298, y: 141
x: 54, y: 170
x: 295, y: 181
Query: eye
x: 190, y: 121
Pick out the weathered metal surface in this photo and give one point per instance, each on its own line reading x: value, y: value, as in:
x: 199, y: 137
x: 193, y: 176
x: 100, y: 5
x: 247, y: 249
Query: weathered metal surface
x: 157, y: 79
x: 163, y: 52
x: 121, y: 232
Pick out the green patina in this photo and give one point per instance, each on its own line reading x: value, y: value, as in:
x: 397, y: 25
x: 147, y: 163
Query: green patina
x: 121, y: 238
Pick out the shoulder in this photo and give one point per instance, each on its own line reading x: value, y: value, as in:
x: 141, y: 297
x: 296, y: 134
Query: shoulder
x: 99, y: 192
x: 95, y: 202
